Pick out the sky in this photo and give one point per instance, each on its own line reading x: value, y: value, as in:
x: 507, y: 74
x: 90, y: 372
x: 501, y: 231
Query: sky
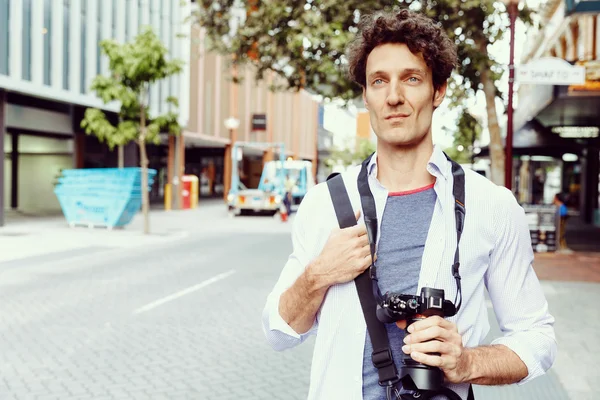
x: 343, y: 124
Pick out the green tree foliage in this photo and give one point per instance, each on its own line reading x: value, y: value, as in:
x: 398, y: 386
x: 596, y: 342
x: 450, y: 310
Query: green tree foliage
x: 464, y: 143
x: 348, y: 156
x: 134, y: 66
x: 304, y: 41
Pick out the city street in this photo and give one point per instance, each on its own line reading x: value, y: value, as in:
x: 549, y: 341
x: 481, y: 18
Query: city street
x: 179, y: 317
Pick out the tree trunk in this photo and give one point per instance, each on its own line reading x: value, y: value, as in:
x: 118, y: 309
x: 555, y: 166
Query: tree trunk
x: 144, y: 166
x: 496, y: 147
x: 121, y: 158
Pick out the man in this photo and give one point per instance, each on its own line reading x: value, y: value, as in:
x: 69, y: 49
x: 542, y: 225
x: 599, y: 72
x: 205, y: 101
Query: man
x: 562, y: 214
x: 403, y: 62
x: 288, y: 200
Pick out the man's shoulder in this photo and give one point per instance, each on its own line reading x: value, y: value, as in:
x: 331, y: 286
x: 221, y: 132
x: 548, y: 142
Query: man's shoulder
x: 481, y: 188
x: 318, y: 203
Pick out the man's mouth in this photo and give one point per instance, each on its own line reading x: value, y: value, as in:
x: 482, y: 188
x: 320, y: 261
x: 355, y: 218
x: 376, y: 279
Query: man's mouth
x: 396, y: 117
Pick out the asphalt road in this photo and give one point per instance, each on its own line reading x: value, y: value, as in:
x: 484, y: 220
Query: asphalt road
x: 179, y: 321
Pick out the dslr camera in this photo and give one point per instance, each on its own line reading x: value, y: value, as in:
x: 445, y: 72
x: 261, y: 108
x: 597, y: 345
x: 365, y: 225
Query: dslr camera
x: 397, y: 307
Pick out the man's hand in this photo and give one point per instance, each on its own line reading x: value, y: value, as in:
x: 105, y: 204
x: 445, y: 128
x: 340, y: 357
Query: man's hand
x: 345, y: 256
x: 438, y: 335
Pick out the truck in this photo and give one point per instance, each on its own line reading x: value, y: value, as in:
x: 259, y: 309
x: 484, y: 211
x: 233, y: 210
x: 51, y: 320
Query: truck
x: 268, y: 197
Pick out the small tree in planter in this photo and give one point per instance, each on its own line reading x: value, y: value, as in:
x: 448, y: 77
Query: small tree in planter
x: 134, y: 66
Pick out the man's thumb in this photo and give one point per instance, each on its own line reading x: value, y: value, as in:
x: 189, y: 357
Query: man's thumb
x: 357, y: 214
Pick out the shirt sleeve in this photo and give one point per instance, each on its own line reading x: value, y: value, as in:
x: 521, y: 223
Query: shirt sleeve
x: 279, y: 334
x: 516, y: 294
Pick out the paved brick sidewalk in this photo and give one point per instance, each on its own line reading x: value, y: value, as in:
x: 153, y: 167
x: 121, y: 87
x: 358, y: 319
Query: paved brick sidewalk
x: 575, y: 267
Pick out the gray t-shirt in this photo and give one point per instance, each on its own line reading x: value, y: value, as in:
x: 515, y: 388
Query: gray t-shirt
x: 404, y: 228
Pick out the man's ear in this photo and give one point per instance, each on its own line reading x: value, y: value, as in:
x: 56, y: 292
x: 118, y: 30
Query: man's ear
x: 439, y: 95
x: 364, y: 96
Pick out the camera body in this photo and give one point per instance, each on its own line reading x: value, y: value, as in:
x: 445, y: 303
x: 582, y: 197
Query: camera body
x: 398, y: 307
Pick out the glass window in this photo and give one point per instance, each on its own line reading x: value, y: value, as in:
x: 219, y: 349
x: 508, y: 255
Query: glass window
x: 26, y: 68
x: 66, y: 5
x: 82, y: 56
x: 47, y: 30
x: 127, y: 5
x: 99, y: 37
x: 140, y: 9
x: 4, y: 35
x: 114, y: 19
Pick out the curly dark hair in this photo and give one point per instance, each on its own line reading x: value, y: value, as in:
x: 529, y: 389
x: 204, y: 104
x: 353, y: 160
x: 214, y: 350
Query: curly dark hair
x: 418, y: 32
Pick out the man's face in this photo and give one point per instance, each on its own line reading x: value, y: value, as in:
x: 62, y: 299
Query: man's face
x: 399, y: 95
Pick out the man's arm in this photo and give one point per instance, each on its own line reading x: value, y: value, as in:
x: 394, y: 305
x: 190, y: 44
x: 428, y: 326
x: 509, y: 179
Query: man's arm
x: 528, y: 347
x: 289, y: 316
x: 515, y: 291
x: 494, y: 365
x: 483, y: 365
x: 298, y: 306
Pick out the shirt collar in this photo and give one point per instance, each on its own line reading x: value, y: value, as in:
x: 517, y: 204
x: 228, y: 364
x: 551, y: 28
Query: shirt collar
x: 437, y: 166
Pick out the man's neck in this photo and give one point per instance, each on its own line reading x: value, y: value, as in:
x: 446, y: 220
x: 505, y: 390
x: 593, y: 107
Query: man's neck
x: 401, y: 169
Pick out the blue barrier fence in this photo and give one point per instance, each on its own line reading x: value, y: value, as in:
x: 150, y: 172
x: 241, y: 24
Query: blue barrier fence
x: 107, y: 197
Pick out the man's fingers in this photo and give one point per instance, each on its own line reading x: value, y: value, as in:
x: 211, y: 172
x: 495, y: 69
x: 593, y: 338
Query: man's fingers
x: 432, y: 321
x: 364, y: 241
x: 366, y: 262
x: 357, y: 214
x: 358, y: 230
x: 433, y: 346
x: 431, y: 333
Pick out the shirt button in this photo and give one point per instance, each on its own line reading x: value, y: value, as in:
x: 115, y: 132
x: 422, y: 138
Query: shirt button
x: 357, y: 379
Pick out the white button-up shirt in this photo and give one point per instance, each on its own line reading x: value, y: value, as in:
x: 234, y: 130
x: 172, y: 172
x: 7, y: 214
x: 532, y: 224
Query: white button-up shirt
x: 495, y: 253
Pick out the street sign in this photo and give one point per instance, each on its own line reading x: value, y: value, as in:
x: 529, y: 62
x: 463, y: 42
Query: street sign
x: 259, y: 122
x: 550, y: 71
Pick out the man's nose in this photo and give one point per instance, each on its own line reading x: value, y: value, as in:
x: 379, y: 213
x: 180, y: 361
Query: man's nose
x: 396, y: 94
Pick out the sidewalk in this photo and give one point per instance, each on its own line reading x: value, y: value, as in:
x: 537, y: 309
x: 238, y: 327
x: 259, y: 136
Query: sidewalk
x: 26, y: 236
x: 29, y: 236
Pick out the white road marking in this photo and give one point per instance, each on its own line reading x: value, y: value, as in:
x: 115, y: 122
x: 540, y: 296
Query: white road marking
x: 183, y: 292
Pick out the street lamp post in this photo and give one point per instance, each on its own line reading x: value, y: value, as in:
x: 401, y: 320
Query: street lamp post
x: 512, y: 7
x: 231, y: 124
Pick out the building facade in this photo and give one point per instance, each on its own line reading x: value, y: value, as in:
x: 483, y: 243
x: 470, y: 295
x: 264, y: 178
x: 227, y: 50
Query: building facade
x: 220, y: 92
x: 565, y: 118
x: 49, y: 55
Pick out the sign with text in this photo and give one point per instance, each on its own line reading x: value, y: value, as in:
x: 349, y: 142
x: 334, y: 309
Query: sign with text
x: 542, y: 226
x: 550, y: 71
x: 259, y: 122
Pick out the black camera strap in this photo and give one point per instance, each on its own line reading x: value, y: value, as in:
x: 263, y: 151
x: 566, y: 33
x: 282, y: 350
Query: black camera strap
x: 370, y: 218
x: 366, y: 283
x: 382, y: 354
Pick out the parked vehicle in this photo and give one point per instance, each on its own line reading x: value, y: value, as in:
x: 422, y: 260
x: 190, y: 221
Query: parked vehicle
x: 277, y: 178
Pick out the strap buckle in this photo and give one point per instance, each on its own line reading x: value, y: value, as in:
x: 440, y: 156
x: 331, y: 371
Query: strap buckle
x: 382, y: 358
x: 455, y: 270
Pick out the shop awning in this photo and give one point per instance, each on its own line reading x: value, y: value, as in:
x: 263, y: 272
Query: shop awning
x: 534, y: 139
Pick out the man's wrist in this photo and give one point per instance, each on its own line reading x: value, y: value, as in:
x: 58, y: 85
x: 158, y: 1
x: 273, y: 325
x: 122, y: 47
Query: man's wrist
x: 315, y: 282
x: 468, y: 361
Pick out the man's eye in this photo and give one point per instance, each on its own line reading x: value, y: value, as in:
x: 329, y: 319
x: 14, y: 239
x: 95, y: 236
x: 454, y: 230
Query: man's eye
x: 414, y: 79
x: 377, y: 81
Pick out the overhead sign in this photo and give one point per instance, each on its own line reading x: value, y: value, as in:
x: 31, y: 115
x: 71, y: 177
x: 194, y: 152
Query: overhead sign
x: 259, y: 122
x: 550, y: 71
x: 577, y: 132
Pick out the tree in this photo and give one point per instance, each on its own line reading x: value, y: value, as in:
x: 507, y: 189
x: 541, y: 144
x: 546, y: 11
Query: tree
x: 347, y: 157
x: 134, y: 66
x: 464, y: 143
x: 304, y: 41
